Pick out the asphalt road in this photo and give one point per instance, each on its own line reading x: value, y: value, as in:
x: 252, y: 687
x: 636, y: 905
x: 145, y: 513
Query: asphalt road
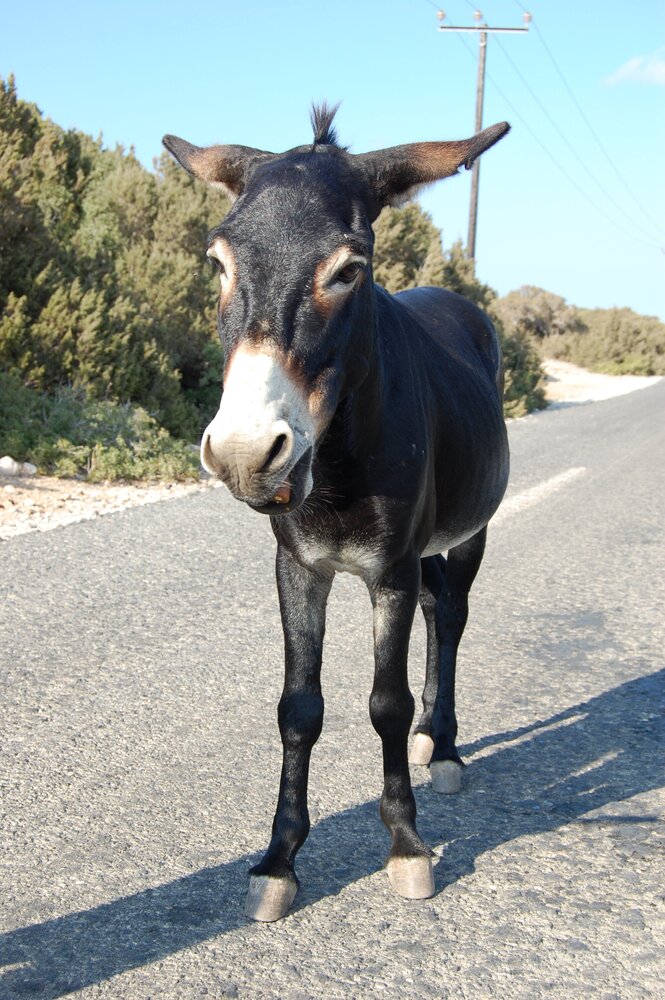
x: 141, y: 665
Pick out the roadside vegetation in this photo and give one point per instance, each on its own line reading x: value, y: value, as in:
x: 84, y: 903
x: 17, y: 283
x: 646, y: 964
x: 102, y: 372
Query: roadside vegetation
x: 67, y: 433
x: 102, y: 283
x: 614, y: 341
x: 109, y: 358
x: 610, y: 341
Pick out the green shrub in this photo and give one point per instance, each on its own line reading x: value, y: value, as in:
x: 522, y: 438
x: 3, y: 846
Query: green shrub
x: 524, y: 379
x: 70, y: 435
x: 103, y: 284
x: 613, y: 341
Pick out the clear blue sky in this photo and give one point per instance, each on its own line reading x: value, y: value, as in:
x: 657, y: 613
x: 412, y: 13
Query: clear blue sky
x: 246, y: 72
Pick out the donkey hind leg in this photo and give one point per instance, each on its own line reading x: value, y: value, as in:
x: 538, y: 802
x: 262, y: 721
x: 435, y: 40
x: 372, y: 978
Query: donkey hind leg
x: 273, y: 882
x: 451, y: 613
x: 433, y: 581
x: 391, y: 711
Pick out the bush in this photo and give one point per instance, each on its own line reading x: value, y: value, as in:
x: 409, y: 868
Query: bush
x: 524, y: 380
x: 102, y: 278
x: 613, y: 341
x: 69, y: 434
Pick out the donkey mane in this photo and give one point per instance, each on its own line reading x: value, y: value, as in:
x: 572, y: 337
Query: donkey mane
x: 321, y: 117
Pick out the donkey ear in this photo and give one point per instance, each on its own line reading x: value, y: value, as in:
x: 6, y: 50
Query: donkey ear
x: 395, y: 174
x: 227, y: 167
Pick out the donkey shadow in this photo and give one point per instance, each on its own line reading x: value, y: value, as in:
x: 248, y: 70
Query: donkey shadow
x: 540, y: 777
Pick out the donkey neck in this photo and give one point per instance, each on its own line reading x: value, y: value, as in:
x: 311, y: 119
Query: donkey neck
x: 360, y: 410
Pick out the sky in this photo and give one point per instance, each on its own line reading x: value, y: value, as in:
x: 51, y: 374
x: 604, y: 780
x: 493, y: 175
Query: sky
x: 573, y: 200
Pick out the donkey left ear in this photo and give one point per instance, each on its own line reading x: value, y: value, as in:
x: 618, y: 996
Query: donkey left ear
x: 227, y: 167
x: 395, y: 174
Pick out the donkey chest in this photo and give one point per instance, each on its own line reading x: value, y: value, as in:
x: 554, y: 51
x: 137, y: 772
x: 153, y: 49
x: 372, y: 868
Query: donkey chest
x: 358, y: 556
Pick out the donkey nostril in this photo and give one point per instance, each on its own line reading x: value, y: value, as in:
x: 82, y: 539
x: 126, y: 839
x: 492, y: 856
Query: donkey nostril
x: 278, y: 445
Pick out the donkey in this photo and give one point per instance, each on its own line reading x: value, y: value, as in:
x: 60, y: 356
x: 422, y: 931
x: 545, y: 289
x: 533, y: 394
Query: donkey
x: 369, y: 428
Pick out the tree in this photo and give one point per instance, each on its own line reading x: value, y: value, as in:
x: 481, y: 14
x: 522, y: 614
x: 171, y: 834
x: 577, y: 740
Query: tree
x: 616, y: 341
x: 459, y: 275
x: 403, y: 237
x: 523, y: 375
x: 538, y: 312
x: 103, y: 279
x: 42, y: 170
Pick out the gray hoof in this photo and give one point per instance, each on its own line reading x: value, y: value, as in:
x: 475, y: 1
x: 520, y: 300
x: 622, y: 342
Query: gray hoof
x: 446, y: 776
x: 269, y: 898
x: 421, y: 751
x: 411, y: 878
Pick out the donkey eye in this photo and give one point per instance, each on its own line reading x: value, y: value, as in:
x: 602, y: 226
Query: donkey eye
x: 216, y: 262
x: 348, y: 273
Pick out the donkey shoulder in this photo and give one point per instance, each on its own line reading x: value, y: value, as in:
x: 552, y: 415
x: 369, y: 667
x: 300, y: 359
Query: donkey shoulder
x: 456, y: 324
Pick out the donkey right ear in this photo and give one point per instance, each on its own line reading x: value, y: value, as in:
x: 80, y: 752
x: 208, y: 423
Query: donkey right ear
x: 227, y: 167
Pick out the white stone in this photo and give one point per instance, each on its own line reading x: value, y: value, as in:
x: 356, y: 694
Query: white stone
x: 9, y: 467
x: 28, y: 469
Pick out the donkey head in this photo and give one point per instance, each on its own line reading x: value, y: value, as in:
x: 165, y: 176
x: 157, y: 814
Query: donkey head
x: 294, y: 257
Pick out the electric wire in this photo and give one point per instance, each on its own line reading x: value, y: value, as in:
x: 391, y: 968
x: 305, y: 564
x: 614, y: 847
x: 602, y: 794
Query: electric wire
x: 554, y: 160
x: 586, y: 121
x: 650, y: 235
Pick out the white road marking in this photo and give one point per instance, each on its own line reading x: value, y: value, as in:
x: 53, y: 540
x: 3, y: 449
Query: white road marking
x: 521, y: 501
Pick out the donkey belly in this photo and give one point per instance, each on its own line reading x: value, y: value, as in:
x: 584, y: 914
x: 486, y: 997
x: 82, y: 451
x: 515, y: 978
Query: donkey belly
x: 469, y: 487
x: 443, y: 541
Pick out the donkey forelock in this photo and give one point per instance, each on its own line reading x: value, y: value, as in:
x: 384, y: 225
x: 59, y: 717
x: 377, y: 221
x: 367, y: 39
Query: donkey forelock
x: 321, y: 117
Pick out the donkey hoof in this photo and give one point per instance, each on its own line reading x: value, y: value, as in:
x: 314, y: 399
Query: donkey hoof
x: 446, y: 776
x: 421, y: 751
x: 411, y: 878
x: 269, y: 898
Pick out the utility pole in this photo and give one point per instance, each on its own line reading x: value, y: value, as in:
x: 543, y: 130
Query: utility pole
x: 475, y: 172
x: 482, y: 30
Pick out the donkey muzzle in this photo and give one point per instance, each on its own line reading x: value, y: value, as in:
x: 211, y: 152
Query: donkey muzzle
x: 258, y: 440
x: 267, y: 470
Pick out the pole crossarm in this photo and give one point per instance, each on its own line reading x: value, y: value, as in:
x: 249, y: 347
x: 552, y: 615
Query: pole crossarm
x: 477, y: 28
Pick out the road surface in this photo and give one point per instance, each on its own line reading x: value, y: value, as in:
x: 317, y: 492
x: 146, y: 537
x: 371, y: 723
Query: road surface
x: 139, y: 761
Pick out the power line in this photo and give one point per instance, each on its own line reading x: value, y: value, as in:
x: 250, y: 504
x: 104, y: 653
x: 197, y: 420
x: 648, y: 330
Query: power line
x: 651, y: 237
x: 554, y: 160
x: 589, y: 125
x: 572, y: 149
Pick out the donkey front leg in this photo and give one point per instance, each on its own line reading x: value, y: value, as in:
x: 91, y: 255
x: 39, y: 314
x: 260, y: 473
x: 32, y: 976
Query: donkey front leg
x: 302, y: 601
x: 391, y: 709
